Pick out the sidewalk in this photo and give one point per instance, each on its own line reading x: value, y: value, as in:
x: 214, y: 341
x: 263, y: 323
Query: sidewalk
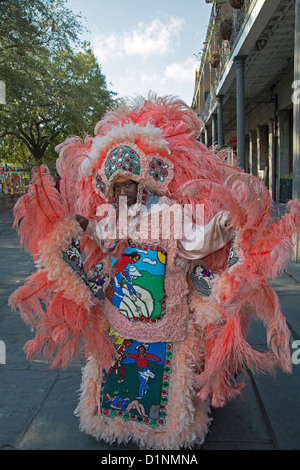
x: 37, y: 404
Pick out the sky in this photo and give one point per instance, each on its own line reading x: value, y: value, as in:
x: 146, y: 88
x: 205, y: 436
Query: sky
x: 146, y: 46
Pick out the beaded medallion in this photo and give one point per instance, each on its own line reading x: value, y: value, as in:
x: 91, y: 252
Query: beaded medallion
x: 202, y: 279
x: 158, y: 169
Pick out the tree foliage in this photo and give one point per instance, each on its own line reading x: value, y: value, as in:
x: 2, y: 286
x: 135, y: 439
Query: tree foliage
x: 54, y: 85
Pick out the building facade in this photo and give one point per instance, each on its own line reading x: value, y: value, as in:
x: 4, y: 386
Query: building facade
x: 247, y: 89
x: 246, y: 85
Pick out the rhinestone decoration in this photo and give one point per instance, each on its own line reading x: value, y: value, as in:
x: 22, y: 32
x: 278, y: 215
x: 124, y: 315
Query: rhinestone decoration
x: 100, y: 184
x: 158, y: 169
x: 124, y: 158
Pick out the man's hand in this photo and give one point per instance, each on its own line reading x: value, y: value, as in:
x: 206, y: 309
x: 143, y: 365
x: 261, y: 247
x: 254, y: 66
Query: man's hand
x: 83, y: 221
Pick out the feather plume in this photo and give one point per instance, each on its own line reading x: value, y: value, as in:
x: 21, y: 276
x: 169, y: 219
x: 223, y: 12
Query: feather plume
x: 72, y: 152
x: 68, y: 331
x: 36, y: 213
x: 32, y: 298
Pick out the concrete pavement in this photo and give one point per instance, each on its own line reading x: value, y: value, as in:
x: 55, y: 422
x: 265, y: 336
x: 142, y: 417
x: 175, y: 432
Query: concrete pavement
x: 37, y: 404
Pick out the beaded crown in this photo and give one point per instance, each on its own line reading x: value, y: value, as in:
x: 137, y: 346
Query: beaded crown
x: 137, y: 152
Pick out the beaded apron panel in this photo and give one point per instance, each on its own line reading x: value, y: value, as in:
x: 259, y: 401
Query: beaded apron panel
x: 136, y: 387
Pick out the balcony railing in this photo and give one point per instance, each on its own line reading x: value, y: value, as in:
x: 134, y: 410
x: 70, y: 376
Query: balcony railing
x: 225, y: 49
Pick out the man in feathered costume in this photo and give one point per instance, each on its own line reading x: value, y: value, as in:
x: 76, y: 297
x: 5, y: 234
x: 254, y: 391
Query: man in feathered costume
x: 164, y: 328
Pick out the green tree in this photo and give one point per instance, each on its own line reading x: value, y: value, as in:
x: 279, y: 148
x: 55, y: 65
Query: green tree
x: 27, y: 24
x: 54, y: 87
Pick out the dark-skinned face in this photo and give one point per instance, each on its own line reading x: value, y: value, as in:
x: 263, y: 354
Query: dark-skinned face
x: 126, y: 188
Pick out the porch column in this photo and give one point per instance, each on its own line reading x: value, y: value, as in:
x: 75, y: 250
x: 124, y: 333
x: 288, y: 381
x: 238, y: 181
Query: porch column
x: 220, y: 121
x: 214, y: 129
x: 206, y: 136
x: 240, y: 110
x: 296, y: 130
x: 253, y: 153
x: 284, y: 162
x: 272, y: 159
x: 262, y: 148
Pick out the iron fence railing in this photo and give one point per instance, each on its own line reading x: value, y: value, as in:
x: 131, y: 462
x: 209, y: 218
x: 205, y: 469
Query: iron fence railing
x: 225, y: 49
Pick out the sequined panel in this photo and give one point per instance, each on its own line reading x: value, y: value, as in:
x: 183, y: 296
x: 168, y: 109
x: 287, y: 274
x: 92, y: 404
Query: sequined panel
x: 125, y: 158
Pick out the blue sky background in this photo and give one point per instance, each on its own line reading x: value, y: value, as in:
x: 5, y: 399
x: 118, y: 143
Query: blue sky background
x: 146, y: 45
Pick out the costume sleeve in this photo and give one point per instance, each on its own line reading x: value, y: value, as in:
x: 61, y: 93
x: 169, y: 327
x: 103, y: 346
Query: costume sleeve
x: 199, y: 242
x: 96, y: 231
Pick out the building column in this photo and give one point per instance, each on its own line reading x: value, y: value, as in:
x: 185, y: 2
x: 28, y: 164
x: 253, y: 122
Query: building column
x: 253, y: 153
x: 284, y: 143
x: 214, y: 129
x: 240, y: 110
x: 262, y: 149
x: 206, y: 136
x: 284, y: 164
x: 247, y: 153
x: 220, y: 121
x: 271, y: 162
x: 296, y: 130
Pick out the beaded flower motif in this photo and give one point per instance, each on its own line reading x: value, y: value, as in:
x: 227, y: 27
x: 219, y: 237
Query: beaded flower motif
x: 158, y: 169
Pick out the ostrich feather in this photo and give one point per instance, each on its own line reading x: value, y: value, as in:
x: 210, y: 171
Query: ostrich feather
x: 71, y: 152
x: 37, y: 211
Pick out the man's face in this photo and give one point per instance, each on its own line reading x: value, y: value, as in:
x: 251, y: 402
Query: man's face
x: 126, y: 188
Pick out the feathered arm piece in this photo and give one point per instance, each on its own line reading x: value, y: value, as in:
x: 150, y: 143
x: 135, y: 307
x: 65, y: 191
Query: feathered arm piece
x: 263, y: 245
x: 37, y: 212
x: 67, y: 319
x: 243, y: 291
x: 241, y: 295
x: 69, y: 331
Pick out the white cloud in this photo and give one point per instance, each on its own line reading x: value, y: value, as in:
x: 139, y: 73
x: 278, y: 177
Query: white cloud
x: 107, y: 46
x: 152, y: 78
x: 183, y: 72
x: 157, y: 38
x: 139, y: 78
